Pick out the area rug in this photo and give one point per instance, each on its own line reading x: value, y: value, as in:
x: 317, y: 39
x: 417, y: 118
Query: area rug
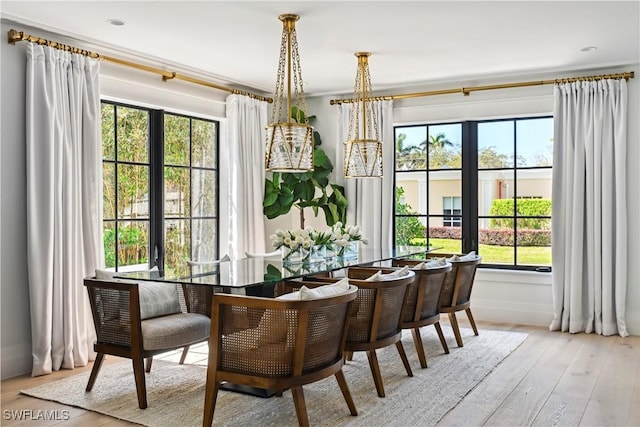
x: 175, y: 393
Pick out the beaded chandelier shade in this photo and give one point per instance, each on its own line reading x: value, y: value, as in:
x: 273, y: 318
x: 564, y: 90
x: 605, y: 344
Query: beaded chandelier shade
x: 363, y: 148
x: 289, y: 145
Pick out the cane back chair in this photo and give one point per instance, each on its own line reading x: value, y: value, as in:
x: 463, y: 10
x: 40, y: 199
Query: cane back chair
x: 421, y: 303
x: 291, y: 343
x: 139, y: 320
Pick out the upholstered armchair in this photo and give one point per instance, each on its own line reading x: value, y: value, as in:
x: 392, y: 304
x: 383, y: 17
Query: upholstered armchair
x: 375, y: 323
x: 290, y: 341
x: 456, y: 290
x: 421, y: 302
x: 139, y: 320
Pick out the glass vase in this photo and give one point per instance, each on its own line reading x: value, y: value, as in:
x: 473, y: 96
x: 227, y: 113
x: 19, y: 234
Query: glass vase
x: 317, y: 253
x: 350, y: 250
x: 294, y: 256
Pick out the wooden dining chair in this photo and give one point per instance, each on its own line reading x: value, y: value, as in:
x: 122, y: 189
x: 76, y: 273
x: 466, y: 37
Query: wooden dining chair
x: 456, y: 290
x: 293, y: 343
x: 376, y: 322
x: 139, y: 320
x: 421, y: 303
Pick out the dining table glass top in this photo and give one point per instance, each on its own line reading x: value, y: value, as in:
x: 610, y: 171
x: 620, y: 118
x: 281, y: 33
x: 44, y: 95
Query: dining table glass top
x: 256, y: 271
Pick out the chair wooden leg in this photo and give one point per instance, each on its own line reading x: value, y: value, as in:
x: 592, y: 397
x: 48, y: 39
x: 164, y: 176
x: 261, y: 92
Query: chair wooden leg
x: 210, y: 397
x: 456, y: 329
x: 97, y: 364
x: 403, y: 356
x: 148, y: 362
x: 441, y: 336
x: 141, y: 388
x: 473, y: 322
x: 375, y: 371
x: 185, y: 350
x: 349, y: 355
x: 417, y: 340
x: 301, y: 406
x: 342, y: 382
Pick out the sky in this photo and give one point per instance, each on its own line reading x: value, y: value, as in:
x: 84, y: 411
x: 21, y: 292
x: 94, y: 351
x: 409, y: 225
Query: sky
x: 533, y: 135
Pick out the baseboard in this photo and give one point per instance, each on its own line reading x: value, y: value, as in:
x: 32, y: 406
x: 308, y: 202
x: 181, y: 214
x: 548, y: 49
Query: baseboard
x: 16, y: 360
x: 511, y: 312
x: 530, y: 314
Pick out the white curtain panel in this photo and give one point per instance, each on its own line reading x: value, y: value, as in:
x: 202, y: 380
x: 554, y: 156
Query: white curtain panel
x: 246, y: 123
x: 589, y: 207
x: 64, y: 203
x: 370, y: 199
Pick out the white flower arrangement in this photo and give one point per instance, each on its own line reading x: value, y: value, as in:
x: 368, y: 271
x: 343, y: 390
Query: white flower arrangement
x: 347, y: 233
x: 296, y: 242
x: 344, y: 238
x: 292, y: 239
x: 299, y: 243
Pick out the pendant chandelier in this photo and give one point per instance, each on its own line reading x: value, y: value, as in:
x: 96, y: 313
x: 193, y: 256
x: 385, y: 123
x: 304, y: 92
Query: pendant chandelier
x: 289, y: 146
x: 363, y: 148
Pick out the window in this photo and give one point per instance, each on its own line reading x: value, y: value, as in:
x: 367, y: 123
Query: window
x: 452, y: 208
x: 477, y: 185
x: 160, y: 187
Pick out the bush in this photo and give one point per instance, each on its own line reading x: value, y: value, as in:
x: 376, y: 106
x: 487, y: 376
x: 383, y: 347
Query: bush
x: 486, y: 236
x: 526, y: 237
x: 445, y: 232
x: 526, y: 207
x: 407, y: 227
x: 131, y: 246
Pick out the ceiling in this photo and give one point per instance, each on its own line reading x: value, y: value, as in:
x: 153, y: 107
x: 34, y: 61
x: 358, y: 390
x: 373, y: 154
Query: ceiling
x: 412, y: 43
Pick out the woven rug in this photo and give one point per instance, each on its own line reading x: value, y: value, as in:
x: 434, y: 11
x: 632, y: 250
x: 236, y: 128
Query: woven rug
x: 175, y: 393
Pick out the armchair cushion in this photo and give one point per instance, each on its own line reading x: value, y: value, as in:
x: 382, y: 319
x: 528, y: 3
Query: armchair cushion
x: 337, y: 288
x: 174, y: 331
x: 471, y: 256
x: 109, y: 275
x: 158, y: 299
x: 434, y: 263
x: 388, y: 276
x: 274, y: 328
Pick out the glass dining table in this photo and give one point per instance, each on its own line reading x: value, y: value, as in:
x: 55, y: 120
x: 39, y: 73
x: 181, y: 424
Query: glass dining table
x: 257, y: 275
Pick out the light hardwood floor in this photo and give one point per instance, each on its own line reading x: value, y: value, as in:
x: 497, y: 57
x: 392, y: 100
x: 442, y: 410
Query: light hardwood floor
x: 551, y: 379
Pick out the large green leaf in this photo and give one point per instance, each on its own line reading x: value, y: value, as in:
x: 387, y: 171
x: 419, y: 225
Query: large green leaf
x: 273, y: 274
x: 330, y: 213
x: 309, y: 190
x: 273, y: 211
x: 322, y: 180
x: 338, y: 193
x: 320, y: 159
x: 270, y: 198
x: 286, y: 197
x: 298, y: 115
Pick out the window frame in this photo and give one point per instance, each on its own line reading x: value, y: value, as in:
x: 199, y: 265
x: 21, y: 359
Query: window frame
x: 156, y: 219
x: 469, y: 187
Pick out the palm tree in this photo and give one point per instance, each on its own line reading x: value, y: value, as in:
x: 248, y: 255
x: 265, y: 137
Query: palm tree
x: 440, y: 140
x: 403, y: 153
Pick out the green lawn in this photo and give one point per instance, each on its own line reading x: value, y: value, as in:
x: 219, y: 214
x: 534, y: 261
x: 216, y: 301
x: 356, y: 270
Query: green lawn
x: 527, y: 255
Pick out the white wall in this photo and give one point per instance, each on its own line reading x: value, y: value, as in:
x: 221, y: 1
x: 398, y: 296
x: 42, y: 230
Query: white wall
x: 15, y: 339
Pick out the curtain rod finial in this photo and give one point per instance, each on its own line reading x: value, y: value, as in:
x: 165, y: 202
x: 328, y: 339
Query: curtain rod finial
x: 13, y: 36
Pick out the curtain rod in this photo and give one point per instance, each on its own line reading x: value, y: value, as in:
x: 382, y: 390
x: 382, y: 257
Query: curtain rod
x: 466, y: 90
x: 16, y: 36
